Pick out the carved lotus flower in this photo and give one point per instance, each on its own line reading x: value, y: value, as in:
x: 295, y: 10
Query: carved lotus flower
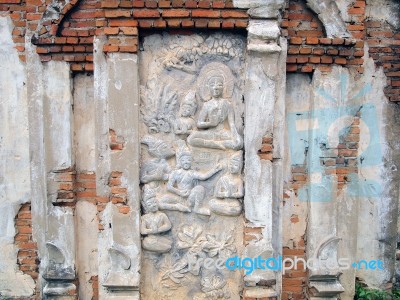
x: 214, y: 288
x: 222, y: 246
x: 189, y: 236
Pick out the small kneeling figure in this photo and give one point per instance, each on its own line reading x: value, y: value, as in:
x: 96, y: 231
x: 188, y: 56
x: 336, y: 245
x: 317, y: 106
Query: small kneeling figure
x: 154, y: 222
x: 229, y: 189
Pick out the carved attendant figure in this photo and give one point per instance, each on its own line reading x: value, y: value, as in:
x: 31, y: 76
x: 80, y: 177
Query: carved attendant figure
x: 154, y: 222
x: 217, y: 119
x: 185, y: 123
x: 183, y: 183
x: 229, y: 189
x: 156, y: 169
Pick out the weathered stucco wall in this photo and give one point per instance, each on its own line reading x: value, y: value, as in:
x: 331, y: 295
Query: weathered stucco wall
x: 321, y: 145
x: 14, y: 162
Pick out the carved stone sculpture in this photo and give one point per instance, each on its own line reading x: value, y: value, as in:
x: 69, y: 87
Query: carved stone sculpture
x: 156, y: 169
x: 185, y: 123
x: 183, y: 185
x: 229, y: 189
x: 192, y: 100
x: 153, y: 223
x: 216, y: 118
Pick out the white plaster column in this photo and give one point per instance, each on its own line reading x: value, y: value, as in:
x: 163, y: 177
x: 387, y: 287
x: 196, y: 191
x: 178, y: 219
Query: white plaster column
x: 14, y: 161
x: 117, y: 109
x: 264, y: 116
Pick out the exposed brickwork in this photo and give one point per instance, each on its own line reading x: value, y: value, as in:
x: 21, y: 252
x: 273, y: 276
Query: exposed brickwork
x: 70, y: 37
x: 309, y: 48
x: 345, y: 162
x: 116, y: 142
x: 295, y: 282
x: 71, y: 40
x: 384, y: 48
x: 94, y: 280
x: 340, y: 161
x: 308, y: 45
x: 28, y: 261
x: 267, y: 148
x: 118, y: 192
x: 66, y: 194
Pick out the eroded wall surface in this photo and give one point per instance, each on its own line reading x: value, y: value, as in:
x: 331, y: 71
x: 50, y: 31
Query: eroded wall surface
x: 123, y: 159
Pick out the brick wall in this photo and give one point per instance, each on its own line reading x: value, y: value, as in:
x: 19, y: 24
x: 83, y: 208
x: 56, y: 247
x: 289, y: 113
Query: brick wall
x: 27, y: 258
x: 70, y: 38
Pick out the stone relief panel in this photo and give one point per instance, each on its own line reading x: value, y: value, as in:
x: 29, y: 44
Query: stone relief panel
x: 191, y: 165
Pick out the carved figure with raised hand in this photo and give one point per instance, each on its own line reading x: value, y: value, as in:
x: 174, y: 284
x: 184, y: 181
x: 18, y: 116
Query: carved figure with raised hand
x: 216, y: 120
x: 185, y: 123
x: 156, y: 169
x: 183, y: 183
x: 229, y: 189
x: 153, y: 223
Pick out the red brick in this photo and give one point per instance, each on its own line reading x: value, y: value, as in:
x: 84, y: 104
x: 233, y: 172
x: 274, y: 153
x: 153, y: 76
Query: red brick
x: 233, y: 14
x: 201, y: 13
x: 123, y: 22
x: 241, y: 24
x: 187, y: 23
x: 201, y: 23
x: 356, y: 11
x: 164, y: 4
x: 191, y: 4
x: 228, y: 24
x: 110, y: 3
x: 315, y: 59
x: 326, y: 60
x: 302, y: 59
x: 146, y: 13
x: 160, y: 24
x: 296, y: 40
x: 307, y: 68
x: 175, y: 13
x: 151, y: 3
x: 214, y: 24
x: 174, y: 23
x: 138, y: 3
x: 340, y: 61
x: 204, y: 4
x: 312, y: 41
x: 111, y: 30
x: 117, y: 13
x: 319, y: 51
x: 332, y: 51
x: 177, y: 3
x: 126, y: 4
x: 124, y: 209
x: 356, y: 27
x: 218, y: 4
x: 304, y: 50
x: 146, y: 23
